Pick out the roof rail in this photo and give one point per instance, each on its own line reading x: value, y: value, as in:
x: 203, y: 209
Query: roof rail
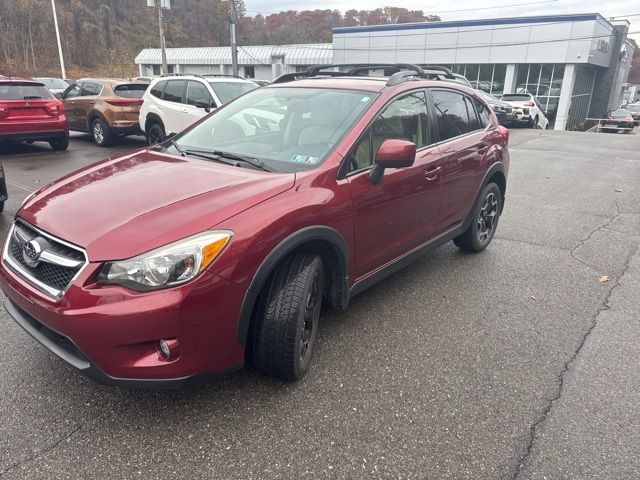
x: 397, y: 72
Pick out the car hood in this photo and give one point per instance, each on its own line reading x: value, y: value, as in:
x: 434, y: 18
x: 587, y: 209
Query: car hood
x: 119, y: 208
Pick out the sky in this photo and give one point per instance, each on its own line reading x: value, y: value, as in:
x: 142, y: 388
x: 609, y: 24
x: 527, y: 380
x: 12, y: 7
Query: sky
x: 490, y: 8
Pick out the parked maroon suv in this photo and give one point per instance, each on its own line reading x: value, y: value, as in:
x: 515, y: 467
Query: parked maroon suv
x: 180, y: 261
x: 28, y: 111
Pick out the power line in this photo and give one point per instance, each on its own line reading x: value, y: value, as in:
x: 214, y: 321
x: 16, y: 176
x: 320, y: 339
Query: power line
x: 260, y: 62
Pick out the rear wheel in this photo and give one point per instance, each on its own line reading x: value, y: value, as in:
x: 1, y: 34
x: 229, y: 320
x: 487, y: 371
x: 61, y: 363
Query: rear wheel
x: 59, y: 143
x: 287, y: 317
x: 156, y: 134
x: 101, y: 133
x: 533, y: 122
x: 484, y: 222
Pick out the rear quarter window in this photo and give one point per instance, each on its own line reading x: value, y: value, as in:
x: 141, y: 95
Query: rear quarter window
x: 158, y: 89
x: 23, y: 91
x: 132, y: 90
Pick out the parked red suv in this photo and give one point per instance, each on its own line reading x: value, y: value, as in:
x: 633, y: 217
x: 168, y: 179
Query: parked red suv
x: 177, y: 262
x: 29, y: 111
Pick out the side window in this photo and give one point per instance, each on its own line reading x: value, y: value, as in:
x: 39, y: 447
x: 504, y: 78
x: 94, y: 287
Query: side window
x: 474, y: 122
x: 483, y: 112
x: 197, y: 92
x: 174, y: 92
x: 90, y: 88
x: 72, y: 92
x: 404, y: 119
x: 455, y: 114
x: 158, y: 89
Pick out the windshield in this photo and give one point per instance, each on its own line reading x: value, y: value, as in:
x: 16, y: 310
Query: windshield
x: 620, y: 113
x: 55, y: 83
x: 227, y: 91
x: 289, y: 129
x: 634, y: 107
x: 23, y: 91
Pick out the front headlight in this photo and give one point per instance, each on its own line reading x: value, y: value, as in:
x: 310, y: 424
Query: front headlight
x: 167, y: 266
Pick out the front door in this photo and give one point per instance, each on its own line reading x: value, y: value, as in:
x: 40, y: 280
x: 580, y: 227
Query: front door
x: 398, y: 214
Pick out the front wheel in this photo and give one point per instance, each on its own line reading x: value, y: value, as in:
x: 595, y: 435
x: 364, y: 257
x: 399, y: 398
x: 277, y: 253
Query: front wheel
x: 484, y: 220
x: 101, y: 133
x: 287, y: 317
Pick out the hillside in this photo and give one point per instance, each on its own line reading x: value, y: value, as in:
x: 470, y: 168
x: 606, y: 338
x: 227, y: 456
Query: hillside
x: 102, y: 37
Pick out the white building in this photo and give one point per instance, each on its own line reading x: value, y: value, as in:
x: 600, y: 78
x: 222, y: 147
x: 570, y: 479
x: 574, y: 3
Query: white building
x: 577, y: 65
x: 259, y: 62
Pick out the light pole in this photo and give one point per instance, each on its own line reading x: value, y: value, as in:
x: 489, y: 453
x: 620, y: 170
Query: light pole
x: 159, y: 5
x: 55, y: 22
x: 233, y: 15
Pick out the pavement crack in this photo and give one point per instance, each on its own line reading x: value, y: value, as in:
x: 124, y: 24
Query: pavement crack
x: 591, y: 234
x: 537, y: 424
x: 44, y: 451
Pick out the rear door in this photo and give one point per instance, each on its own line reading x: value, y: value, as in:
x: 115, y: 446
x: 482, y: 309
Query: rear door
x: 174, y: 108
x: 398, y: 214
x: 463, y: 143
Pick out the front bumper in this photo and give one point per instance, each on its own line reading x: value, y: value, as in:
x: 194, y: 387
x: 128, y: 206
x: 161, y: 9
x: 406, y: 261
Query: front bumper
x: 111, y: 334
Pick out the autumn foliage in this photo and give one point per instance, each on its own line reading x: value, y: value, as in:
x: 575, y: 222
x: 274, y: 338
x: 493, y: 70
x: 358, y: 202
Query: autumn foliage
x: 102, y: 37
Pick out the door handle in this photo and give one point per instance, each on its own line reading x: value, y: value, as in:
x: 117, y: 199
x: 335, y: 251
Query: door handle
x: 432, y: 173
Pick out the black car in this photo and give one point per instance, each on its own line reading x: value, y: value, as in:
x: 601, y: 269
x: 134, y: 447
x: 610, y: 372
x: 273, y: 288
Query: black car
x: 503, y: 110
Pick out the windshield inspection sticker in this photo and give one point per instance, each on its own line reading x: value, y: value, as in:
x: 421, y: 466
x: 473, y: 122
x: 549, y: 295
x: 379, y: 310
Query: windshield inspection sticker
x: 305, y: 159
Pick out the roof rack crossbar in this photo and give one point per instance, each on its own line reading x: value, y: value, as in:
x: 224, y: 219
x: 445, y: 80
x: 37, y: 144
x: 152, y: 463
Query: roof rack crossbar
x: 405, y: 76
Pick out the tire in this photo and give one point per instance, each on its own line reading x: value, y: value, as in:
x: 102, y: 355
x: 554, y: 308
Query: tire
x: 100, y: 132
x: 156, y: 134
x: 533, y: 122
x: 287, y: 317
x: 59, y: 144
x: 2, y: 206
x: 479, y: 234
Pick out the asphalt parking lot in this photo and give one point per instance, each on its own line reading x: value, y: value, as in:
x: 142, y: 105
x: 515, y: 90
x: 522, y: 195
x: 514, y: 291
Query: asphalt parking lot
x: 520, y: 362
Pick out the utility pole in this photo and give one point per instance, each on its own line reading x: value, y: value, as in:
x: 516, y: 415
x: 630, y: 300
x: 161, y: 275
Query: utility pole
x: 163, y: 51
x: 55, y: 22
x: 233, y: 15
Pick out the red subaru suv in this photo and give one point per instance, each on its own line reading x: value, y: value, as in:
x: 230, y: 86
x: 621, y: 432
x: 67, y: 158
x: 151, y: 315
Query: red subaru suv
x: 180, y: 261
x: 29, y: 111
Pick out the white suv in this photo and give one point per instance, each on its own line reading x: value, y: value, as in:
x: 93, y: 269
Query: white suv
x: 172, y: 103
x: 527, y: 109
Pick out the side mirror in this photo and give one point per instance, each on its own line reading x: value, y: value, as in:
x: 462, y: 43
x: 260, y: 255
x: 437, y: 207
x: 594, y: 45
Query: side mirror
x: 204, y: 105
x: 392, y: 154
x: 58, y: 95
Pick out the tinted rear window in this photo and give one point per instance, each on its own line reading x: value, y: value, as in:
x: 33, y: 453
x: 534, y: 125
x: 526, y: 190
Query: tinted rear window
x: 23, y: 91
x: 515, y: 98
x: 158, y: 88
x: 132, y: 90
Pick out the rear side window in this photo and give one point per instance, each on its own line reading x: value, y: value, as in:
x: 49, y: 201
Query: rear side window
x: 483, y: 112
x: 197, y: 92
x: 158, y: 89
x: 130, y: 90
x: 174, y: 92
x: 23, y: 91
x: 455, y: 114
x: 90, y: 89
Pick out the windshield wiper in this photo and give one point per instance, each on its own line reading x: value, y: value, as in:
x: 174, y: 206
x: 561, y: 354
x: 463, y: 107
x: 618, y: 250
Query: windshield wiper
x: 209, y: 156
x: 219, y: 155
x: 251, y: 161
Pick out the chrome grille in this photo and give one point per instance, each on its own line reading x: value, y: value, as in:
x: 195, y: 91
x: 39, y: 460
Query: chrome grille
x: 57, y: 264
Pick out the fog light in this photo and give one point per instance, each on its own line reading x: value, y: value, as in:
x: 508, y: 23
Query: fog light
x: 169, y: 349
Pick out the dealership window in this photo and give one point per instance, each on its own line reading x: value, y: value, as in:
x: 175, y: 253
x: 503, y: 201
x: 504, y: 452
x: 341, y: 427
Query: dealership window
x: 581, y: 95
x: 250, y: 71
x: 544, y: 81
x: 486, y: 77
